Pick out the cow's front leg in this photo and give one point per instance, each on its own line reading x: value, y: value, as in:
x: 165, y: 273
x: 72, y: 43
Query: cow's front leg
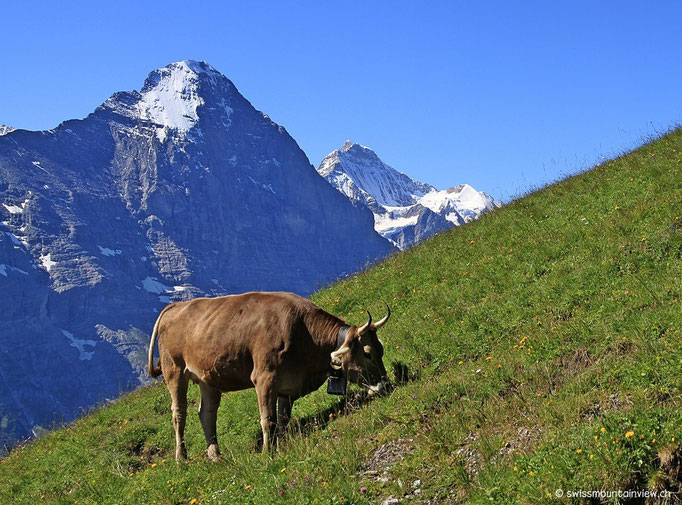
x: 267, y: 404
x: 284, y: 405
x: 208, y: 412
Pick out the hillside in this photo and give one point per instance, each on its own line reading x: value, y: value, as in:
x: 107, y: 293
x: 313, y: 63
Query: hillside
x: 539, y: 349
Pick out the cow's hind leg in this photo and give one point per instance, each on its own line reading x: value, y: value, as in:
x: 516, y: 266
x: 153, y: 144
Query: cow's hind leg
x: 176, y: 382
x: 208, y: 413
x: 284, y: 405
x: 267, y: 405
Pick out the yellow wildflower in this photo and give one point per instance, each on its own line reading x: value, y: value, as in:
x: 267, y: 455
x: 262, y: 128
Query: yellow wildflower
x: 579, y: 451
x: 629, y: 434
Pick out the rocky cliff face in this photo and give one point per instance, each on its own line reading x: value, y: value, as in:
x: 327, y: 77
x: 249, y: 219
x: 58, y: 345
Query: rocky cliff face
x: 405, y: 211
x: 180, y: 190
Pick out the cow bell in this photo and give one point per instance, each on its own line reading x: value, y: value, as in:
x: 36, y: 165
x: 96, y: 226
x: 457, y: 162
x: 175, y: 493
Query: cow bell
x: 336, y: 384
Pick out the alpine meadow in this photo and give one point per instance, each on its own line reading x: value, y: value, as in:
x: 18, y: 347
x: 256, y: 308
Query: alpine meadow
x: 535, y: 354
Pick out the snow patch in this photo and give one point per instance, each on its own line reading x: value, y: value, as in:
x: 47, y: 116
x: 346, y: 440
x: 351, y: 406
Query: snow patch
x: 153, y: 286
x: 80, y: 345
x: 37, y: 164
x: 46, y: 261
x: 386, y: 223
x: 13, y: 209
x: 105, y: 251
x: 171, y: 98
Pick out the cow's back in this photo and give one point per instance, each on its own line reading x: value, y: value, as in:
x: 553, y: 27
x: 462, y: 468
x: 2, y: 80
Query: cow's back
x: 219, y: 339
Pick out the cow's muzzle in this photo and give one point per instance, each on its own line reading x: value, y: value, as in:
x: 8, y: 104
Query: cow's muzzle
x: 381, y: 387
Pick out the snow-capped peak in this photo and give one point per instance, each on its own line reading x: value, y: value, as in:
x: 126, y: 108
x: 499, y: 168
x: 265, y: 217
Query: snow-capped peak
x: 355, y: 169
x: 405, y: 211
x: 4, y: 129
x: 170, y: 97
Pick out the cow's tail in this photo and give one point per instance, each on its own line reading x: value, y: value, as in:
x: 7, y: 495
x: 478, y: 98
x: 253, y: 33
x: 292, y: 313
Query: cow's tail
x: 155, y: 372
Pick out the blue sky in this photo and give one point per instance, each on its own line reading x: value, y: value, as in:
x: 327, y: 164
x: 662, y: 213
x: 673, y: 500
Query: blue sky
x: 501, y: 95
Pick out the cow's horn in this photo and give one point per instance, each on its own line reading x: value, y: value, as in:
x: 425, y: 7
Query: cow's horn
x: 337, y: 354
x: 383, y: 320
x: 365, y: 327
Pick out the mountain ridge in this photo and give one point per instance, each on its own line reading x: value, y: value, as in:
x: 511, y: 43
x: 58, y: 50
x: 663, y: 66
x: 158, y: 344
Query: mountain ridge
x: 406, y: 211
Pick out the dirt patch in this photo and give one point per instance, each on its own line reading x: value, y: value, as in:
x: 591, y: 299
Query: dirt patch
x: 669, y: 476
x: 378, y: 466
x: 577, y: 362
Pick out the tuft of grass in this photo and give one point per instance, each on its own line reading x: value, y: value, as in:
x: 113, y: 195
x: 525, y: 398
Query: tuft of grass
x: 535, y: 349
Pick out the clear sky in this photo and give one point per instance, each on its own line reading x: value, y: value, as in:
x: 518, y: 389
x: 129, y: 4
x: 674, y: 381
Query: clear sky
x: 501, y: 95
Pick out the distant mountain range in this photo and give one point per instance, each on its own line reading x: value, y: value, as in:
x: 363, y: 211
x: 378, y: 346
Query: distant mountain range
x: 405, y: 211
x: 180, y: 190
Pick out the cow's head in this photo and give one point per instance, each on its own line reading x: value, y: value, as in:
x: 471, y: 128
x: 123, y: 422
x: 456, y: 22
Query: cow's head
x: 361, y: 355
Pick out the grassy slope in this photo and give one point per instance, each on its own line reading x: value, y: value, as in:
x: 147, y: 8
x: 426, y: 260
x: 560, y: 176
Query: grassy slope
x: 543, y: 344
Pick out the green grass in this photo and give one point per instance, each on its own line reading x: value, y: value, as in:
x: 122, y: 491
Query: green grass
x: 542, y: 348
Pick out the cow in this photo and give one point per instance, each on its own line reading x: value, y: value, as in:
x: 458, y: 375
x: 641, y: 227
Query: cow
x: 281, y: 344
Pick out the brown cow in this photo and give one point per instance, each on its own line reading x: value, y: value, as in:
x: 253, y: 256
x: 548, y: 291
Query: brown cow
x: 279, y: 343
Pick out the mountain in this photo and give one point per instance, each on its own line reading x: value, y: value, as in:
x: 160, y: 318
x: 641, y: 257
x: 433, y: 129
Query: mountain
x: 5, y: 129
x: 180, y: 190
x: 405, y: 211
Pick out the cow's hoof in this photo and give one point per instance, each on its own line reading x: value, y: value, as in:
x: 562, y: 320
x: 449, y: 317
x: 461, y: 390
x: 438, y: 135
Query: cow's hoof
x: 213, y: 452
x: 180, y: 455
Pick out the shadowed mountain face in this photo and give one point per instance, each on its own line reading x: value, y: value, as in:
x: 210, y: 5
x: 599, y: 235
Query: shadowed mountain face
x: 180, y: 190
x: 405, y: 211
